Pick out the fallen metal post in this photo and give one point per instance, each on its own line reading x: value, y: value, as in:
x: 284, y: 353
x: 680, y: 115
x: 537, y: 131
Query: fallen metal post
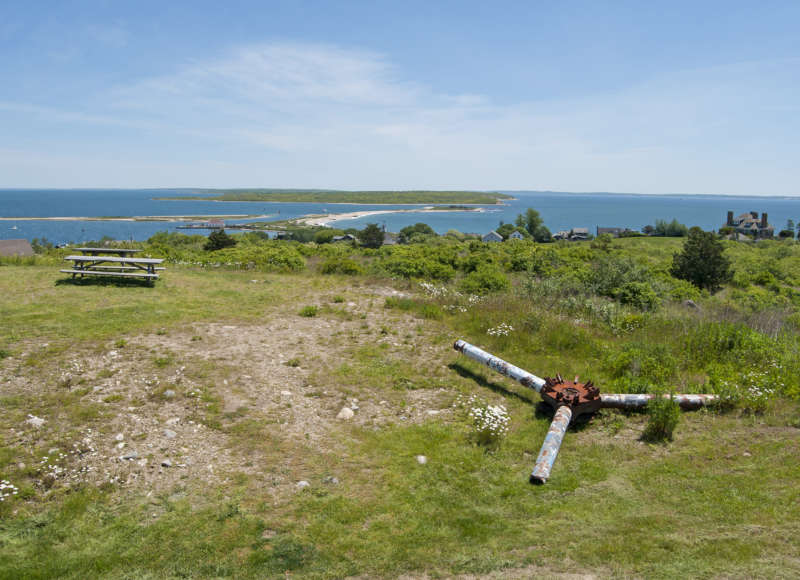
x: 569, y: 399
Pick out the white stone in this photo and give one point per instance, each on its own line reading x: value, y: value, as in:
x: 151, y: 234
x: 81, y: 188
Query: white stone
x: 173, y: 421
x: 119, y: 437
x: 302, y: 484
x: 170, y: 434
x: 286, y: 393
x: 345, y: 414
x: 422, y: 460
x: 35, y: 421
x: 433, y: 412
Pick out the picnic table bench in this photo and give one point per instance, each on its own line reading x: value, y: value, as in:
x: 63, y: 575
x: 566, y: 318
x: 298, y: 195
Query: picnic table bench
x: 114, y: 266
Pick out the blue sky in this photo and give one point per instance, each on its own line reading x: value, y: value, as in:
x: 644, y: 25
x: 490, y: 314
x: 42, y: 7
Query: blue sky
x: 650, y: 97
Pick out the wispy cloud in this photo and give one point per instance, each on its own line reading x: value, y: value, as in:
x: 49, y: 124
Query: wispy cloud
x: 315, y: 115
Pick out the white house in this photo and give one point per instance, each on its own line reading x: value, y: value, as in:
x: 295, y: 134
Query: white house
x: 492, y: 236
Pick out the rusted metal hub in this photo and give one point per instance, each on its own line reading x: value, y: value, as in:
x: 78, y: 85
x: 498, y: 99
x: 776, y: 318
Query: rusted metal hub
x: 579, y: 397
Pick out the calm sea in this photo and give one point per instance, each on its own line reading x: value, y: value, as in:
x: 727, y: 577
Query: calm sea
x: 559, y: 210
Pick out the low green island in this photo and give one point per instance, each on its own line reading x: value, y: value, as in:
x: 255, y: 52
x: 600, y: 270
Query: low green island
x: 336, y: 196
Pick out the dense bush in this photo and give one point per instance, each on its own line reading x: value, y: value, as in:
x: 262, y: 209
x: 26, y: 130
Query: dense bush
x: 702, y: 262
x: 218, y: 240
x: 663, y: 416
x: 341, y: 266
x: 484, y: 280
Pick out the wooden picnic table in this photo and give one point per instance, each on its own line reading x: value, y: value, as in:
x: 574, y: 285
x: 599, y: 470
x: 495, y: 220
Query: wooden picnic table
x: 114, y: 266
x: 122, y: 252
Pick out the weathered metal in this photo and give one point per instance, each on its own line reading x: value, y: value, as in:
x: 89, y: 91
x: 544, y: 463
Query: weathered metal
x: 569, y: 399
x: 523, y: 377
x: 640, y: 400
x: 552, y: 443
x: 579, y: 397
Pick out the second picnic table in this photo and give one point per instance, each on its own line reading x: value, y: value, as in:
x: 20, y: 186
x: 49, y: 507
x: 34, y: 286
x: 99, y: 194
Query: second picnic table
x: 101, y: 263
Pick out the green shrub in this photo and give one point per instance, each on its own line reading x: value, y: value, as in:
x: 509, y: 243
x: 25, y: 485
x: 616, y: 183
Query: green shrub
x: 638, y: 367
x: 345, y: 266
x: 663, y: 416
x: 218, y: 240
x: 484, y: 280
x: 639, y: 295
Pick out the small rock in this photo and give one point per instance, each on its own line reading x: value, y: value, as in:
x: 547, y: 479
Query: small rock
x: 345, y: 414
x: 35, y: 421
x: 130, y: 456
x: 166, y: 463
x: 267, y: 534
x: 329, y: 479
x: 169, y: 394
x: 747, y: 454
x: 96, y: 389
x: 20, y: 465
x: 170, y: 434
x: 286, y: 393
x: 120, y: 445
x: 119, y: 437
x: 173, y: 421
x: 433, y: 412
x: 690, y: 304
x: 302, y: 484
x: 422, y: 460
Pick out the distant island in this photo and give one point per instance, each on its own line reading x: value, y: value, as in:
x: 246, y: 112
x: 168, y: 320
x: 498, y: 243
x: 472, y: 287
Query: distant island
x: 356, y: 197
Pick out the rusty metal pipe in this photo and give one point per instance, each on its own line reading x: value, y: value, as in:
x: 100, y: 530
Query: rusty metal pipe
x: 640, y: 401
x: 551, y: 445
x: 523, y: 377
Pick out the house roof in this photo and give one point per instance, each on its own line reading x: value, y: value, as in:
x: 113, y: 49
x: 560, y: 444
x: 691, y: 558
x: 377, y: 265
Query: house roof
x: 15, y: 248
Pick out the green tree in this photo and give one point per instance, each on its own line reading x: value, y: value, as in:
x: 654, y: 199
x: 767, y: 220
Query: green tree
x: 418, y: 230
x: 701, y: 261
x: 217, y: 240
x: 371, y: 236
x: 532, y: 222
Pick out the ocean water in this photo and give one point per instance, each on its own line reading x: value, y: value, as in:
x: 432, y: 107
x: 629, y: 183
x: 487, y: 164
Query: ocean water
x: 559, y: 211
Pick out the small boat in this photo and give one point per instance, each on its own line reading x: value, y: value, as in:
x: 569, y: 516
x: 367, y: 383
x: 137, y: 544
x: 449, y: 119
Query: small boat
x: 14, y: 228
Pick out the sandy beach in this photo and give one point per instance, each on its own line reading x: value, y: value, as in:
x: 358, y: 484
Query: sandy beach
x: 331, y: 218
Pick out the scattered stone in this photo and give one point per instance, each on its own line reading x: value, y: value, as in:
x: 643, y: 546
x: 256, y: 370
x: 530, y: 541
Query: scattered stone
x: 747, y: 454
x: 286, y: 393
x: 267, y: 534
x: 130, y: 456
x: 690, y: 304
x: 20, y: 465
x: 345, y: 414
x: 302, y: 484
x: 422, y: 460
x: 166, y: 463
x: 173, y: 421
x: 170, y: 434
x: 169, y: 394
x: 119, y: 437
x: 120, y: 445
x: 96, y: 389
x: 35, y: 421
x: 329, y: 479
x: 433, y: 412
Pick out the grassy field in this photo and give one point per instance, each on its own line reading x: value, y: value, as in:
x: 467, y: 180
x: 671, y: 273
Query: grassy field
x: 368, y: 197
x: 236, y: 377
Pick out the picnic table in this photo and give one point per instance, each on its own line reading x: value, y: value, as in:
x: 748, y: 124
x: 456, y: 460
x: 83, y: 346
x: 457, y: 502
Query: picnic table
x: 122, y: 252
x: 107, y: 265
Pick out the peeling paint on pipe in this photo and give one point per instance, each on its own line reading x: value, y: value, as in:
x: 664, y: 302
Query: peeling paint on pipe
x: 523, y: 377
x: 640, y: 401
x: 551, y: 445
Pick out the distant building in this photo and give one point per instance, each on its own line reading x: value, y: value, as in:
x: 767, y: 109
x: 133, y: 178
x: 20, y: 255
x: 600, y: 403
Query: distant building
x: 492, y: 236
x: 515, y: 235
x: 344, y: 238
x: 389, y: 239
x: 215, y: 224
x: 573, y: 235
x: 15, y: 248
x: 748, y: 223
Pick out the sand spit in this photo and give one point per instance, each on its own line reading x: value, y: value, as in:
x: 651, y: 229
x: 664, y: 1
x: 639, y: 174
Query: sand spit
x: 330, y: 218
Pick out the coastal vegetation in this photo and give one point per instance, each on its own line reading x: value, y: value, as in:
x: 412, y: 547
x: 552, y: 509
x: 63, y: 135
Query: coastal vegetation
x: 357, y: 197
x: 228, y: 376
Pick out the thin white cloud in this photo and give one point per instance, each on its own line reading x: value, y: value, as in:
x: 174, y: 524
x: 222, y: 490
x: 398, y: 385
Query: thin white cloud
x: 320, y: 116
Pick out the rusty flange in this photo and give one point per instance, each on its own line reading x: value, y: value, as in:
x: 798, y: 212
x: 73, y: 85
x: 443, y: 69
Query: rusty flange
x: 579, y: 397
